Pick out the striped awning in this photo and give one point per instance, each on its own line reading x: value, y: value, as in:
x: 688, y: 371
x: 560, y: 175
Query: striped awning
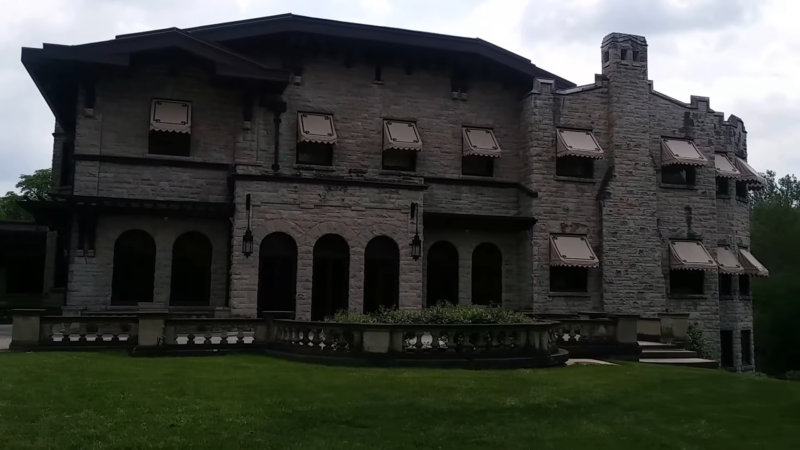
x: 572, y: 251
x: 313, y: 127
x: 690, y: 255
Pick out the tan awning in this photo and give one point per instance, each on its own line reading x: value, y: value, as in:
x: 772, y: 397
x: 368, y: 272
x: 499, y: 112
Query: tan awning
x: 752, y: 266
x: 572, y: 251
x: 170, y: 115
x: 401, y: 135
x: 480, y: 142
x: 690, y: 255
x: 578, y: 143
x: 312, y: 127
x: 681, y: 151
x: 724, y: 166
x: 748, y: 174
x: 728, y: 262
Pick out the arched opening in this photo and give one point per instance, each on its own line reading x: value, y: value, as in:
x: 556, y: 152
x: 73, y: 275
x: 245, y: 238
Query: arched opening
x: 277, y: 273
x: 190, y: 284
x: 331, y: 278
x: 381, y: 274
x: 487, y: 275
x: 442, y: 274
x: 134, y: 268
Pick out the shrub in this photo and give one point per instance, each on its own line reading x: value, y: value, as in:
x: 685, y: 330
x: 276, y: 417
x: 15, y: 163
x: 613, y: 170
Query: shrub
x: 698, y: 342
x: 440, y: 314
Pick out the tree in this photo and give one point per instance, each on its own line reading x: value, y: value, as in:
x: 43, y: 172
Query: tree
x: 31, y: 187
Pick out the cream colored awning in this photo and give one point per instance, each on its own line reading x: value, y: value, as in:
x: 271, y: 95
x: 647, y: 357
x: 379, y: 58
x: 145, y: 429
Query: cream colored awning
x: 728, y: 263
x: 578, y: 143
x: 572, y: 251
x: 724, y: 166
x: 313, y: 127
x: 748, y: 173
x: 752, y: 266
x: 480, y: 142
x: 690, y: 255
x: 681, y: 151
x: 170, y: 115
x: 400, y: 135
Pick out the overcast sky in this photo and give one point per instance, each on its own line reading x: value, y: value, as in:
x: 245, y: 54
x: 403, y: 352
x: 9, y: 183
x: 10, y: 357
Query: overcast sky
x: 743, y: 54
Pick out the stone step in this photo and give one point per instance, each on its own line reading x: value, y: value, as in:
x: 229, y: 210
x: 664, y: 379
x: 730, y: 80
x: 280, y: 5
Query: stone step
x: 658, y: 345
x: 686, y: 362
x: 666, y: 353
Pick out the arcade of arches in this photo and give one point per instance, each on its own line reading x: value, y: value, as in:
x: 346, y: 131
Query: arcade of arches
x: 135, y: 265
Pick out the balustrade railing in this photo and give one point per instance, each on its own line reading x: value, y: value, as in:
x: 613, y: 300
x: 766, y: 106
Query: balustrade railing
x: 214, y: 332
x: 92, y: 331
x: 574, y: 332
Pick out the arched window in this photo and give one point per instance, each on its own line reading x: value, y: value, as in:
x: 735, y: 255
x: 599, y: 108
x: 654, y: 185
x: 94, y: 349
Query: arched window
x: 134, y: 268
x: 442, y: 274
x: 190, y: 284
x: 331, y: 282
x: 381, y: 274
x: 487, y: 275
x: 277, y: 273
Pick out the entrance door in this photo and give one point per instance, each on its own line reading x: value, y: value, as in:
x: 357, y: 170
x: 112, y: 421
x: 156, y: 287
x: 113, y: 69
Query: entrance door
x: 277, y: 273
x: 442, y: 274
x: 331, y: 278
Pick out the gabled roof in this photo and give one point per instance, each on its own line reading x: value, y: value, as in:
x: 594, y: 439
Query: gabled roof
x: 283, y: 23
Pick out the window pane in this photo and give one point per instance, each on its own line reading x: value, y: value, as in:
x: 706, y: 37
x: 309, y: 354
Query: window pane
x: 399, y: 160
x: 480, y: 166
x: 314, y: 153
x: 575, y: 167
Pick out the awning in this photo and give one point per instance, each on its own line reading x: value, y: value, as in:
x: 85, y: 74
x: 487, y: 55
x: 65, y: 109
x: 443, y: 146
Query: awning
x: 170, y: 115
x: 681, y: 151
x: 313, y: 127
x: 748, y: 173
x: 728, y: 263
x: 690, y: 255
x: 578, y: 143
x: 572, y: 251
x: 752, y: 266
x: 400, y: 135
x: 724, y: 166
x: 480, y: 142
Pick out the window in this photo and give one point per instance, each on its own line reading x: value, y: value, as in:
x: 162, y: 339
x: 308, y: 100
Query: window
x: 479, y: 166
x: 747, y: 343
x: 678, y: 174
x: 744, y: 285
x: 315, y: 153
x: 726, y: 347
x: 741, y: 190
x: 575, y: 167
x: 190, y: 283
x: 725, y: 284
x: 400, y: 160
x: 686, y: 282
x: 170, y: 128
x: 569, y: 279
x: 722, y: 187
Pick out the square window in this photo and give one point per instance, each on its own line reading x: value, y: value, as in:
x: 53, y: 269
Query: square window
x: 686, y: 282
x: 741, y: 190
x: 747, y: 343
x: 315, y: 153
x: 678, y: 174
x: 400, y: 160
x: 569, y: 279
x: 722, y: 187
x: 726, y: 348
x: 725, y: 284
x: 169, y: 143
x: 575, y: 167
x: 479, y: 166
x: 744, y: 285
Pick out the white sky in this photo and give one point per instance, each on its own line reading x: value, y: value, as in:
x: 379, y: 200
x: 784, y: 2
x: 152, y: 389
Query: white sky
x: 743, y: 54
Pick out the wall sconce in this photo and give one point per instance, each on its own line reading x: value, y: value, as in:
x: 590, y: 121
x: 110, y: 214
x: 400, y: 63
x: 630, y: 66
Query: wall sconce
x: 416, y: 242
x: 247, y: 240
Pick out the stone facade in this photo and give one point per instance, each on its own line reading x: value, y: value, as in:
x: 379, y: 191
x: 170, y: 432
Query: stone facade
x: 624, y: 210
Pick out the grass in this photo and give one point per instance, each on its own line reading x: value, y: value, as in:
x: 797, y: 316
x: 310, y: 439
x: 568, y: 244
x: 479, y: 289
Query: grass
x: 112, y: 401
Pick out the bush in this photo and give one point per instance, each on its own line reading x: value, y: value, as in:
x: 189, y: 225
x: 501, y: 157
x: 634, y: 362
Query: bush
x: 440, y: 314
x: 698, y: 342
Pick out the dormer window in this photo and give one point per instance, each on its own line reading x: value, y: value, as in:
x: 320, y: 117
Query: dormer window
x: 170, y: 127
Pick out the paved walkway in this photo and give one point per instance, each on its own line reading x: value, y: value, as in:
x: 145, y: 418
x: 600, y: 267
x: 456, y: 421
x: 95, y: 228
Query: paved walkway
x: 5, y: 336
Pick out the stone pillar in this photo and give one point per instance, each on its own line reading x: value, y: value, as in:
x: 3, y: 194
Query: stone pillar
x: 151, y: 328
x: 25, y: 328
x: 674, y: 327
x: 627, y: 328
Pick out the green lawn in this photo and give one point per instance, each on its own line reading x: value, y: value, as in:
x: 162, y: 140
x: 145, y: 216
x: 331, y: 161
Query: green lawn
x: 111, y: 401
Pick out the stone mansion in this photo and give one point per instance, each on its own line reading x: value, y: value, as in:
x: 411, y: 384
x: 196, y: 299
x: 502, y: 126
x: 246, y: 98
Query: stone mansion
x: 294, y: 163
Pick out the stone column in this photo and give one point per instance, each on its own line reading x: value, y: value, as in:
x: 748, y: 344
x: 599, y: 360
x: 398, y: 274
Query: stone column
x: 25, y: 328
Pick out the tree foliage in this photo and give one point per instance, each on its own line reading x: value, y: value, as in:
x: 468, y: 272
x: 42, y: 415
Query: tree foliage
x: 31, y: 187
x: 774, y: 234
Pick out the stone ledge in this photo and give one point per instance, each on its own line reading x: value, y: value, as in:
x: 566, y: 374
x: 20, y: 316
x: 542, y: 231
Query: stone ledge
x: 575, y: 179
